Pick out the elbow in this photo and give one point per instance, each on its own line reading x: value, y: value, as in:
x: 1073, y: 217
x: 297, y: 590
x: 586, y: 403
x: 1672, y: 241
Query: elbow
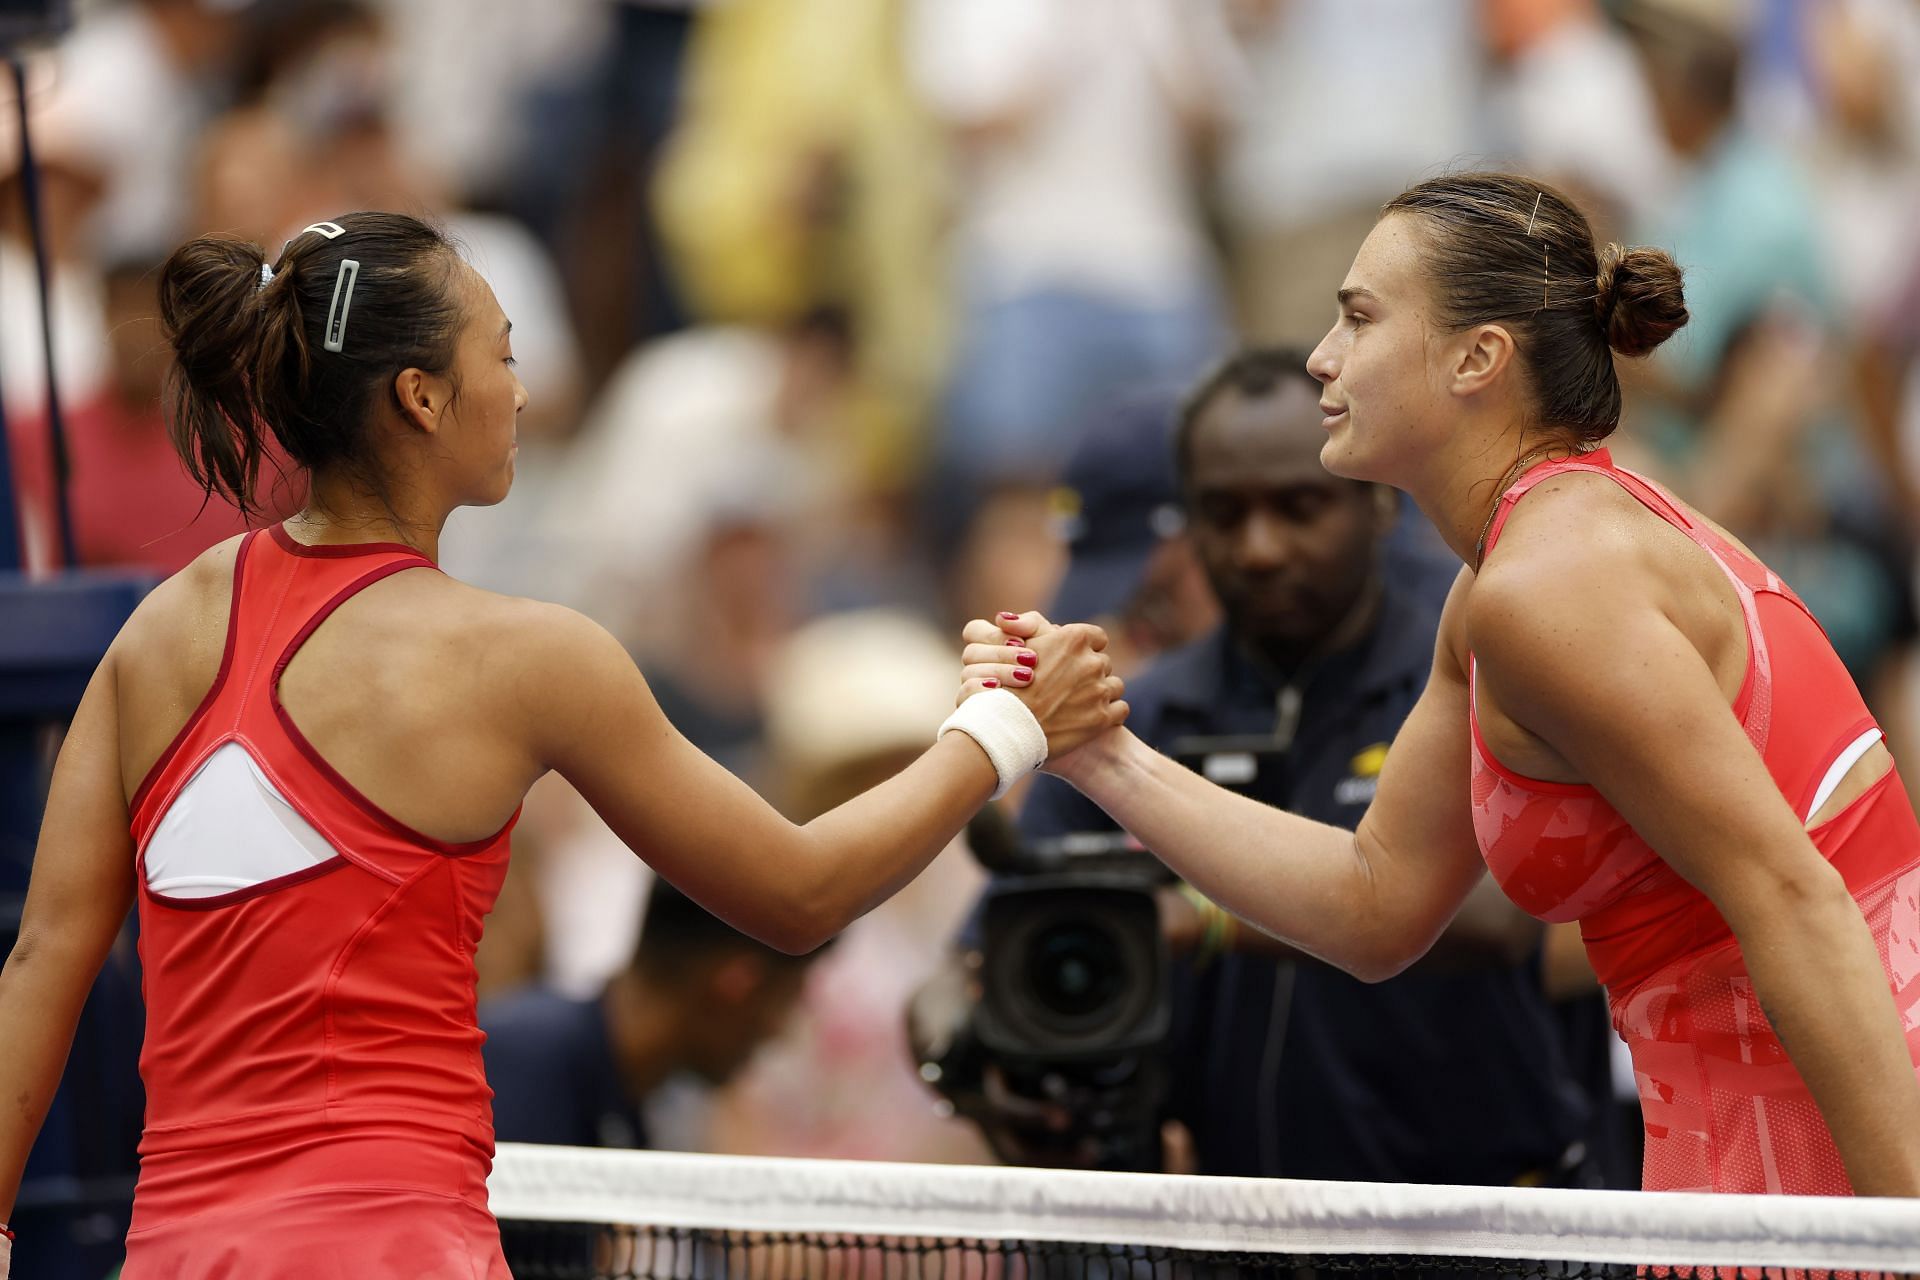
x: 794, y: 931
x: 804, y: 920
x: 1383, y: 950
x: 1387, y: 958
x: 1772, y: 901
x: 1384, y: 939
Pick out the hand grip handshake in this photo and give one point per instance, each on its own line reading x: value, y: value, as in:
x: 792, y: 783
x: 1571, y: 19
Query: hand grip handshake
x: 1061, y: 674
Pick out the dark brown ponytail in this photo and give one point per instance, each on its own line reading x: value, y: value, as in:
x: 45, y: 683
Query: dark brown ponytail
x: 250, y: 363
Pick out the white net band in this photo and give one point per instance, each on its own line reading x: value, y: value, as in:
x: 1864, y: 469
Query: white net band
x: 668, y: 1190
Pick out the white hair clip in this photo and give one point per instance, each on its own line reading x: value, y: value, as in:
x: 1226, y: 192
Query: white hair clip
x: 331, y: 230
x: 266, y: 277
x: 336, y: 332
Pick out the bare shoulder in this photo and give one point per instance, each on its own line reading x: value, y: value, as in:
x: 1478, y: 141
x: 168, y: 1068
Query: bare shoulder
x: 518, y: 622
x: 187, y: 612
x: 535, y: 645
x: 1582, y: 553
x: 557, y: 677
x: 1578, y: 560
x: 1575, y: 536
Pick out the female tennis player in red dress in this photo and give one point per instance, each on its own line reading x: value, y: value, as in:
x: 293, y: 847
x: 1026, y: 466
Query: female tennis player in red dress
x: 304, y: 754
x: 1630, y: 720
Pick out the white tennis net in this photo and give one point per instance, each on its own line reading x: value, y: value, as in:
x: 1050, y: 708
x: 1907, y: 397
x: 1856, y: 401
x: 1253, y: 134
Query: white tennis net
x: 625, y: 1215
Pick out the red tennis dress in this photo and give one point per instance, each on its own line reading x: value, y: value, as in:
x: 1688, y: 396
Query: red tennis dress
x: 316, y: 1105
x: 1725, y: 1110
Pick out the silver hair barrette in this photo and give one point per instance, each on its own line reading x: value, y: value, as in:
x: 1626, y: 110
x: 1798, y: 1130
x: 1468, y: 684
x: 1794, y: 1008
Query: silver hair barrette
x: 336, y: 332
x: 266, y: 277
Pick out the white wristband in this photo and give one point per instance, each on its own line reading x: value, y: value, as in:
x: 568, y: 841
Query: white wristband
x: 1005, y: 730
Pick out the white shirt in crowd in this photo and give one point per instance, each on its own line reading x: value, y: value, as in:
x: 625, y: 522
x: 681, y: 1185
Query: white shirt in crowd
x: 1089, y: 185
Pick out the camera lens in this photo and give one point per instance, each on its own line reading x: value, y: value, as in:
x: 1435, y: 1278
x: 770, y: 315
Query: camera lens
x: 1076, y: 970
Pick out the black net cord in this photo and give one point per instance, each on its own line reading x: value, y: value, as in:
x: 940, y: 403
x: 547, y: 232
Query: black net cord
x: 591, y: 1251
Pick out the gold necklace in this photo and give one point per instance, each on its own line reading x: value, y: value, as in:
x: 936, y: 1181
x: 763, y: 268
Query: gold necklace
x: 1500, y: 492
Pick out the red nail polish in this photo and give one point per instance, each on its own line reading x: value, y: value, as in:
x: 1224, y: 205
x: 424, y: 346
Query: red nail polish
x: 1011, y: 617
x: 989, y: 683
x: 1027, y: 659
x: 1022, y: 675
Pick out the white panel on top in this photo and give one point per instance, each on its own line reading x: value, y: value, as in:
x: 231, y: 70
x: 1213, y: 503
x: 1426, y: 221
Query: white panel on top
x: 229, y: 829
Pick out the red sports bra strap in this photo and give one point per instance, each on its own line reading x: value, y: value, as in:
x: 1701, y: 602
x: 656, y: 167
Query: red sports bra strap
x: 1599, y: 462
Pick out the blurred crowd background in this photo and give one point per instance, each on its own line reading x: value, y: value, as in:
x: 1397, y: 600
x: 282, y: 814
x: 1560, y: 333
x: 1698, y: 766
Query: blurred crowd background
x: 815, y: 299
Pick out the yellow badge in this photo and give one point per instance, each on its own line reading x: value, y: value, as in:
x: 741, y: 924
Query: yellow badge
x: 1370, y: 762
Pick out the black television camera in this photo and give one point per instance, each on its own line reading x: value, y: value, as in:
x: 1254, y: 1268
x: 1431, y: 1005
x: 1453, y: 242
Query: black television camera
x: 1056, y: 1041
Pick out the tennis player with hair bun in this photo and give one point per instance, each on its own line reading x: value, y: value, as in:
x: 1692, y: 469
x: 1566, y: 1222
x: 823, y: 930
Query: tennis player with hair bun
x: 303, y: 756
x: 1631, y: 721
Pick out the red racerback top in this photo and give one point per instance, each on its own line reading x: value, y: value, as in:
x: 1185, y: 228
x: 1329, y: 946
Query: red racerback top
x: 1724, y: 1108
x: 312, y: 1032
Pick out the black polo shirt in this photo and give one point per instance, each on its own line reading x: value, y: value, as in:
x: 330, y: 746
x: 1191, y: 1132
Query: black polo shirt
x: 1294, y: 1069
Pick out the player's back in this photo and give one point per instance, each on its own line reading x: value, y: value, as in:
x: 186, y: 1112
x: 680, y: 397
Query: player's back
x: 307, y: 949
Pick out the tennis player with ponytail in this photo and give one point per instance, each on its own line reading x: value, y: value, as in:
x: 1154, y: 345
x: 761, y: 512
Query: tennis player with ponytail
x: 1631, y: 721
x: 303, y: 755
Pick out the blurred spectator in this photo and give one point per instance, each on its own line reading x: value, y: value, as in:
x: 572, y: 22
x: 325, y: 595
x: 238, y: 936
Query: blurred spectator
x: 1747, y: 420
x: 854, y: 698
x: 582, y: 176
x: 699, y: 997
x: 469, y: 67
x: 254, y: 177
x: 139, y: 81
x: 1864, y: 65
x: 1567, y: 102
x: 1352, y: 101
x: 1130, y: 565
x: 803, y: 176
x: 1082, y: 263
x: 133, y: 504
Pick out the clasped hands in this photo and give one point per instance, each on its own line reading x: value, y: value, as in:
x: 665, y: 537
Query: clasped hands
x: 1062, y: 673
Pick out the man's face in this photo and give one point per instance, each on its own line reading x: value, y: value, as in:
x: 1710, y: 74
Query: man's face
x: 1288, y: 547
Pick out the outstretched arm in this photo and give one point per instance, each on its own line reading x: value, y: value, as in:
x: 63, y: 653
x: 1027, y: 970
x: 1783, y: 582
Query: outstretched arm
x: 1649, y: 727
x: 1370, y: 901
x: 598, y: 725
x: 81, y: 889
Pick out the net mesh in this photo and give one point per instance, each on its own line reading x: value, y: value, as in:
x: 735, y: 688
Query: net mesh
x: 568, y: 1214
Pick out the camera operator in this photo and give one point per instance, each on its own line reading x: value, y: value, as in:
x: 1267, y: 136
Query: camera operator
x: 1281, y: 1066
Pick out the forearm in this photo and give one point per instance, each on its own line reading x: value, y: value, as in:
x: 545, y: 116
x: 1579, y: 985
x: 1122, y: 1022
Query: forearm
x: 861, y: 853
x: 1819, y: 979
x: 1304, y: 882
x: 41, y: 995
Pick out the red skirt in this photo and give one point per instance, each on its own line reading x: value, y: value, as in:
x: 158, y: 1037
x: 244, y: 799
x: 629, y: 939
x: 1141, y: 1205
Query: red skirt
x: 399, y: 1203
